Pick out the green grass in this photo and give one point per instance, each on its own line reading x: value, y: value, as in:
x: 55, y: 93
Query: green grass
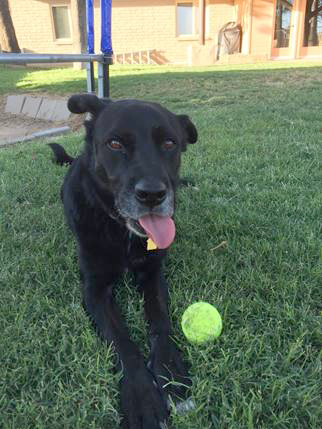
x: 257, y: 169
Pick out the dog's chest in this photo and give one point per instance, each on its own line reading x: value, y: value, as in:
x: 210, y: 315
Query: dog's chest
x: 138, y: 255
x: 136, y: 252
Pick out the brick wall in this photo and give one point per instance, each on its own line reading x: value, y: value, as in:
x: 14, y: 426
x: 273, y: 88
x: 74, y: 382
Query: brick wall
x: 221, y: 12
x: 33, y: 25
x: 151, y: 24
x: 136, y: 25
x: 262, y: 26
x: 145, y: 24
x: 243, y: 17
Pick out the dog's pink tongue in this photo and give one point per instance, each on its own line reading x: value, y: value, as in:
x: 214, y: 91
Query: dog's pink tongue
x: 160, y: 229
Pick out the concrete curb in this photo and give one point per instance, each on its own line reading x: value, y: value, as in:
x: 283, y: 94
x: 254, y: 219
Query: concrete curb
x: 39, y: 134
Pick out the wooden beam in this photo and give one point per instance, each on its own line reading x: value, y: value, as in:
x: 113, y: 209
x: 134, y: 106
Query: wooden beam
x: 202, y: 21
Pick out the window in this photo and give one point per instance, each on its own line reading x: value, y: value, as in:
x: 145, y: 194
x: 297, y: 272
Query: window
x: 283, y: 19
x: 61, y: 22
x: 185, y: 19
x: 313, y: 23
x: 188, y: 18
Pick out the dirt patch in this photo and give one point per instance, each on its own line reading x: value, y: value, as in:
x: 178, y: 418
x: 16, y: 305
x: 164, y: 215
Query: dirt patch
x: 13, y: 127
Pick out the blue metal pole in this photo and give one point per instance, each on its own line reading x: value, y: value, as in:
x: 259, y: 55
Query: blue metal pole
x: 90, y: 26
x: 106, y: 23
x: 106, y: 48
x: 90, y: 44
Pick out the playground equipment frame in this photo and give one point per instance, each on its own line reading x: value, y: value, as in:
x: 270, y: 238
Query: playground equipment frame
x: 104, y: 59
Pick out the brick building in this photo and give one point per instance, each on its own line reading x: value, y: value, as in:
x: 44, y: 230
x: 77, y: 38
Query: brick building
x: 178, y: 31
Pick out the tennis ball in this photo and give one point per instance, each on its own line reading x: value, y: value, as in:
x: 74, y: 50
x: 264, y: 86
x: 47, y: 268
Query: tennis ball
x: 201, y: 323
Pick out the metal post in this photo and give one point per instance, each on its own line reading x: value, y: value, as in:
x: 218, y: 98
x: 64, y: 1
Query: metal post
x: 103, y: 83
x: 90, y: 77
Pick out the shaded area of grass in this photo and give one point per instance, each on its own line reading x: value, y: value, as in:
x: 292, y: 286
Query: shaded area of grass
x: 257, y: 169
x: 126, y: 81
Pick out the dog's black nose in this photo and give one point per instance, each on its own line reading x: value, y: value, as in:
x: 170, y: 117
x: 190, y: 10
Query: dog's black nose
x: 150, y: 193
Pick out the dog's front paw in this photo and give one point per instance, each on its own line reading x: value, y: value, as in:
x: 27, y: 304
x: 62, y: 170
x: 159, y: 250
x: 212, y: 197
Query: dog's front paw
x: 143, y: 403
x: 169, y: 368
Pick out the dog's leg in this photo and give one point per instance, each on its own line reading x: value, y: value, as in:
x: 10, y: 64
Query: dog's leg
x: 165, y: 360
x: 142, y: 402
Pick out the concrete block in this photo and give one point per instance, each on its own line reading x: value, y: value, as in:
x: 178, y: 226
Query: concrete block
x: 61, y: 112
x: 46, y: 110
x: 14, y: 104
x: 31, y: 106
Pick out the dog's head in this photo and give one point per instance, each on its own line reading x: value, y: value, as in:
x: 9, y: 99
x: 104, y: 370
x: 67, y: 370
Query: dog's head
x: 136, y: 149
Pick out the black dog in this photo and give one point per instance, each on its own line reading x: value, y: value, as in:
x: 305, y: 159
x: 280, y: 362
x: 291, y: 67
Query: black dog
x: 116, y: 195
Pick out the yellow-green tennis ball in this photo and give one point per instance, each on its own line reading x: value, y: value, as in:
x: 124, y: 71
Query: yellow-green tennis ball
x: 201, y: 322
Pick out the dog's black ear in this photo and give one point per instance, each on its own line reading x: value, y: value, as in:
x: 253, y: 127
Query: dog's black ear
x: 82, y: 103
x: 189, y: 128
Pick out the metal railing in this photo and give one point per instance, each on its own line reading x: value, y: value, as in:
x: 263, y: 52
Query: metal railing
x: 49, y: 58
x: 103, y: 60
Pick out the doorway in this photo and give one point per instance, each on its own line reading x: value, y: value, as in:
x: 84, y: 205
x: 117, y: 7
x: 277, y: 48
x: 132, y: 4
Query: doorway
x: 311, y: 26
x: 297, y: 31
x: 283, y: 36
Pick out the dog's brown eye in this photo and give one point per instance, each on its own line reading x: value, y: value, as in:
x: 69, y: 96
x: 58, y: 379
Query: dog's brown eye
x: 168, y: 145
x: 115, y: 145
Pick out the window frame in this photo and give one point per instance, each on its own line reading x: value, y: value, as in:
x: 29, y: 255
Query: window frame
x: 195, y: 24
x: 62, y: 40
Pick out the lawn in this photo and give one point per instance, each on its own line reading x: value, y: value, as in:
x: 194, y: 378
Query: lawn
x: 257, y: 172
